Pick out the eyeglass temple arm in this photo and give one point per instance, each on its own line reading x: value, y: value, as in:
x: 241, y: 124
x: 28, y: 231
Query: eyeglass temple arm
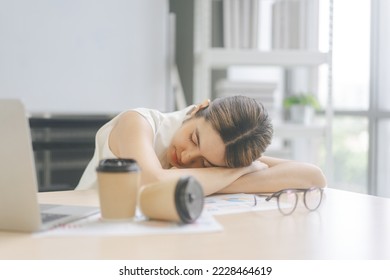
x: 267, y: 196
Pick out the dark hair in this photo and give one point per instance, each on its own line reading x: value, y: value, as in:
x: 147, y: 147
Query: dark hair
x: 244, y: 126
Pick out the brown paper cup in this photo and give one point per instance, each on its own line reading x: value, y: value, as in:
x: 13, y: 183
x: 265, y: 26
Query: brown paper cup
x: 119, y: 181
x: 177, y: 200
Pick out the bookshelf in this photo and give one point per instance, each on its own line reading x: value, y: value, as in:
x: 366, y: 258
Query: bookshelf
x: 220, y: 58
x: 303, y: 53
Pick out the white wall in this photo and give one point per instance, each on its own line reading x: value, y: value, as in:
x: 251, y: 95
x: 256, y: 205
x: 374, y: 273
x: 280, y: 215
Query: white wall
x: 84, y: 56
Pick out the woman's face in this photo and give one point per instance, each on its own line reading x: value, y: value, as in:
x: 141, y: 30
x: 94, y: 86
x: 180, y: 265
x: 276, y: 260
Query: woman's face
x: 196, y: 144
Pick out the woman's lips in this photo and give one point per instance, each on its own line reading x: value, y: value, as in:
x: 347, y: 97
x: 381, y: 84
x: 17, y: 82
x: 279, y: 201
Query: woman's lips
x: 175, y: 159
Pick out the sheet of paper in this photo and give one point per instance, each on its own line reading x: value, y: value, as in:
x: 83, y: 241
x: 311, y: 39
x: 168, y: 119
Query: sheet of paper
x: 94, y: 225
x: 214, y: 205
x: 237, y: 203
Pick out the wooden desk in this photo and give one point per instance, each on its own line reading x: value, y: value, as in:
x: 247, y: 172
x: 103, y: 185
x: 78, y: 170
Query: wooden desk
x: 347, y: 226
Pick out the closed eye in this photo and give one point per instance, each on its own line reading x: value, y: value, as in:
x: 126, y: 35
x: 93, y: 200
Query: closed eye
x: 193, y: 138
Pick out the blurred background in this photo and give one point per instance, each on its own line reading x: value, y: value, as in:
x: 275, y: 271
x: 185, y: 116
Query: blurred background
x: 319, y: 67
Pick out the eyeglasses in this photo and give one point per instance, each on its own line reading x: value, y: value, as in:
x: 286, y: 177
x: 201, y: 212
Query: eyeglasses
x: 287, y: 199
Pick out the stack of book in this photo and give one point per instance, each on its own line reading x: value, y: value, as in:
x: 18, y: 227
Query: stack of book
x: 275, y: 24
x: 287, y: 24
x: 264, y: 92
x: 240, y: 23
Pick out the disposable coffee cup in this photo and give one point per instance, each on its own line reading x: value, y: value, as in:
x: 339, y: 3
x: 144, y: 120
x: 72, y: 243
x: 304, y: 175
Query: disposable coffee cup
x: 119, y: 182
x: 177, y: 200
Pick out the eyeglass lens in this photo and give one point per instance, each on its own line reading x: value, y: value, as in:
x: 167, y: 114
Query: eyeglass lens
x: 287, y: 201
x: 312, y: 198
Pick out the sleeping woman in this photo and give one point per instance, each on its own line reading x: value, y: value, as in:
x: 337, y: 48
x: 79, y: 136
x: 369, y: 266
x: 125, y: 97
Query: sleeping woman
x: 221, y: 143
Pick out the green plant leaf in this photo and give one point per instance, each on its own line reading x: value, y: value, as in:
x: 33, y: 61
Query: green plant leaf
x: 301, y: 99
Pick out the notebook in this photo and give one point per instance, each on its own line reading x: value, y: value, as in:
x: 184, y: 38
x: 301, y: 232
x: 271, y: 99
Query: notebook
x: 19, y: 208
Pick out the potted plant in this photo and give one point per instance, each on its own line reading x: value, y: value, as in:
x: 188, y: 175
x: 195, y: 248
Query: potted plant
x: 301, y: 107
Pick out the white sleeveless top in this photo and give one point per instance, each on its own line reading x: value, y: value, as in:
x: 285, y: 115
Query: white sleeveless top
x: 164, y: 126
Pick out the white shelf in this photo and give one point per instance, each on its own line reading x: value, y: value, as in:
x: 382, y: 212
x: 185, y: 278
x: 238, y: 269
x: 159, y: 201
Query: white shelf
x: 222, y: 58
x: 299, y: 131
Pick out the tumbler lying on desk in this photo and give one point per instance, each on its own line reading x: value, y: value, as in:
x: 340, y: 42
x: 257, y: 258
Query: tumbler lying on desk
x: 119, y: 182
x: 177, y: 200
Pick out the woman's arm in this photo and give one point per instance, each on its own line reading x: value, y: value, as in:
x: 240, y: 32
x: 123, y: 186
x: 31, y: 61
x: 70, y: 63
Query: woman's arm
x: 132, y: 137
x: 281, y: 174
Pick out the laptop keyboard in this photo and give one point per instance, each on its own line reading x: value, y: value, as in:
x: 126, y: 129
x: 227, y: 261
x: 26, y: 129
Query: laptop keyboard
x: 48, y: 217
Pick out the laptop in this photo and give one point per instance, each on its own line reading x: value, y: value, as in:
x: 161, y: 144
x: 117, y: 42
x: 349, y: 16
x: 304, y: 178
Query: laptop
x: 19, y: 208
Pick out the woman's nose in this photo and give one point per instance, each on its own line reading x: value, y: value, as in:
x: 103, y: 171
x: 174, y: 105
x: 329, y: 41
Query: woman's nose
x: 190, y: 158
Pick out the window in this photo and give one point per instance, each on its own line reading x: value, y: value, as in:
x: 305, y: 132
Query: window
x: 380, y: 99
x: 361, y: 63
x: 351, y: 94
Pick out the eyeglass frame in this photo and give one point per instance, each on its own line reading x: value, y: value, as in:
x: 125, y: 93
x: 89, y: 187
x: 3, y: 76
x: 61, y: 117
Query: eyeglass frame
x: 295, y: 191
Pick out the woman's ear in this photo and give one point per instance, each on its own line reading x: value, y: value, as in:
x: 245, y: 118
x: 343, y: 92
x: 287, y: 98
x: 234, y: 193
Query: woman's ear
x: 200, y: 106
x: 204, y: 104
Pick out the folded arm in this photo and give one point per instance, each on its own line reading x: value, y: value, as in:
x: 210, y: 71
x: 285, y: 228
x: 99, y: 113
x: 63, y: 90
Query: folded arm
x: 280, y: 174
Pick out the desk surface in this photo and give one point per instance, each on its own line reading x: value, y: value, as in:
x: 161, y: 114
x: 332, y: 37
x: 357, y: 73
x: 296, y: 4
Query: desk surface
x: 346, y: 226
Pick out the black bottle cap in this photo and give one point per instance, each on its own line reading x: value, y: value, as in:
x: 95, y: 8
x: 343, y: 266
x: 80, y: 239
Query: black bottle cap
x: 189, y: 199
x: 118, y: 165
